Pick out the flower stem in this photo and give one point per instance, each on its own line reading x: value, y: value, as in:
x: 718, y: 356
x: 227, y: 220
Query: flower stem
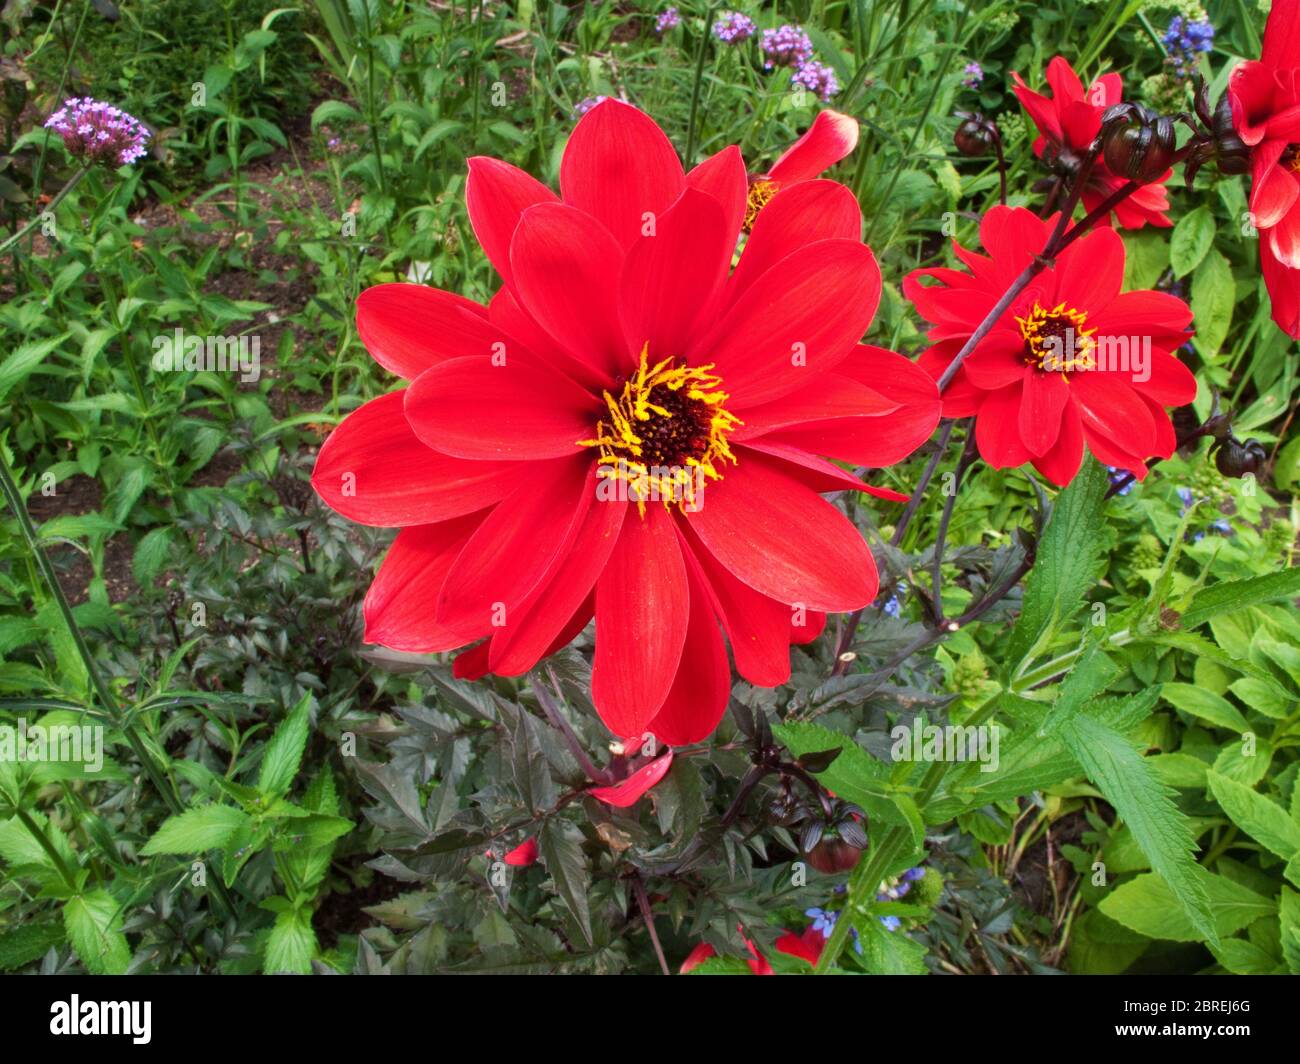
x: 73, y: 181
x: 157, y: 776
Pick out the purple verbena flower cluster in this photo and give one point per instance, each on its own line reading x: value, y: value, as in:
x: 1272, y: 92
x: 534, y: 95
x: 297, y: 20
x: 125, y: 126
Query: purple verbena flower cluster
x: 974, y: 75
x: 787, y: 46
x: 583, y: 106
x: 99, y: 132
x: 816, y: 77
x: 667, y: 21
x: 733, y: 27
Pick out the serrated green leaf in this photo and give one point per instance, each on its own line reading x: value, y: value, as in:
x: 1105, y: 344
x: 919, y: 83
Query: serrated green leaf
x: 208, y: 827
x: 1259, y: 817
x: 291, y: 944
x: 1144, y: 804
x: 1068, y: 558
x: 94, y: 925
x: 1146, y: 905
x: 283, y: 753
x: 559, y: 845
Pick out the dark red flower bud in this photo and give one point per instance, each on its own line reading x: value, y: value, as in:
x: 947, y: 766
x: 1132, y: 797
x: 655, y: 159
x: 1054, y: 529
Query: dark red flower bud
x: 975, y: 136
x: 1237, y: 459
x: 830, y: 856
x: 1137, y: 143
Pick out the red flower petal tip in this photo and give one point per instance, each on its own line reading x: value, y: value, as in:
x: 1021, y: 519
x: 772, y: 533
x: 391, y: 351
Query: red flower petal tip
x: 627, y: 792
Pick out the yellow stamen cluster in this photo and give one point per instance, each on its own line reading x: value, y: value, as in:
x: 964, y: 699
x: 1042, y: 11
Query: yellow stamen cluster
x: 761, y: 189
x: 665, y: 434
x: 1056, y: 340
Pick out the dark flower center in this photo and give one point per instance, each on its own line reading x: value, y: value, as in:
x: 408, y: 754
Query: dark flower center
x: 1056, y: 340
x: 665, y: 433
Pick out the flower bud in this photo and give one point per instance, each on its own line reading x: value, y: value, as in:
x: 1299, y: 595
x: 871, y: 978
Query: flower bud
x: 1137, y: 143
x: 1237, y: 459
x: 830, y: 856
x: 975, y: 136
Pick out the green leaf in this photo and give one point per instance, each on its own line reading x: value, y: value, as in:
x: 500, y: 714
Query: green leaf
x: 1131, y: 785
x: 94, y: 925
x: 1191, y: 239
x: 1068, y: 558
x: 1146, y: 258
x: 886, y: 952
x: 291, y: 945
x: 1241, y: 957
x: 1259, y: 817
x: 197, y: 830
x: 151, y: 554
x: 1148, y: 906
x: 21, y: 945
x: 854, y: 775
x: 283, y: 754
x: 24, y: 359
x: 1205, y: 705
x: 1213, y: 297
x: 1289, y: 918
x: 559, y: 844
x: 1233, y: 595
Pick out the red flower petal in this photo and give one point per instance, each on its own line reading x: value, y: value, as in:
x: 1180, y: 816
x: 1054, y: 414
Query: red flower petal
x: 723, y: 177
x: 1044, y: 397
x: 807, y: 946
x: 757, y: 627
x: 1090, y: 274
x: 830, y: 138
x: 540, y: 622
x: 522, y: 855
x: 470, y: 408
x: 567, y: 269
x: 825, y: 397
x: 518, y: 542
x: 618, y: 166
x: 1110, y: 407
x: 795, y: 216
x: 397, y: 606
x: 760, y: 525
x: 1274, y: 188
x: 373, y: 469
x: 803, y: 316
x: 672, y: 275
x: 1282, y: 35
x: 496, y: 196
x: 1062, y: 462
x: 629, y: 791
x: 813, y: 472
x: 642, y: 611
x: 698, y: 697
x: 409, y: 327
x: 696, y: 957
x: 997, y: 429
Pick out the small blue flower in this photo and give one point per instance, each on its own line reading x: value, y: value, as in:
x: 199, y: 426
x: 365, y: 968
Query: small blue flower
x: 894, y: 607
x: 892, y: 923
x: 822, y: 920
x: 1185, y: 40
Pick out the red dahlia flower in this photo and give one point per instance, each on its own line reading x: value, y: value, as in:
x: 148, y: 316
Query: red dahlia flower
x: 628, y: 431
x: 1068, y: 121
x: 1265, y: 100
x: 1072, y: 361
